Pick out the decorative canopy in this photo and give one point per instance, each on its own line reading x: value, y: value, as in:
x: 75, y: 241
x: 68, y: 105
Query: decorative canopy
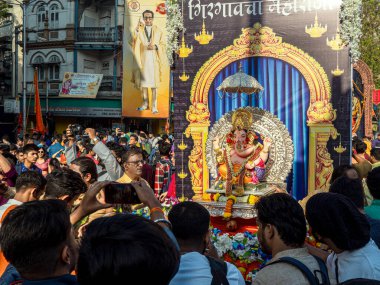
x: 239, y: 83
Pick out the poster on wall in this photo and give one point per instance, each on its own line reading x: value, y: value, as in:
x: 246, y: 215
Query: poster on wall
x: 80, y: 85
x: 146, y: 80
x: 293, y: 51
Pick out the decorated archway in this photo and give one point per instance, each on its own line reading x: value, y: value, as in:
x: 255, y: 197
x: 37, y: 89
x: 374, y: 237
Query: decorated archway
x: 254, y: 42
x: 368, y: 86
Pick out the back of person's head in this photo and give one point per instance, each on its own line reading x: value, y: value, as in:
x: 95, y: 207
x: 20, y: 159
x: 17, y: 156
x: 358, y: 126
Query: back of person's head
x: 360, y: 147
x: 164, y: 148
x: 54, y: 163
x: 373, y: 183
x: 31, y: 179
x: 118, y: 150
x: 131, y: 151
x: 344, y: 169
x: 87, y: 168
x: 286, y: 215
x: 351, y: 188
x: 64, y: 184
x: 334, y: 216
x: 57, y: 138
x: 190, y: 221
x: 126, y: 247
x: 375, y: 152
x: 33, y: 236
x: 123, y: 141
x: 29, y: 147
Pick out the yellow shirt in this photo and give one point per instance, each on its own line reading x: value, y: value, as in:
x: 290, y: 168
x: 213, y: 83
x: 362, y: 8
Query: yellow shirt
x: 126, y: 179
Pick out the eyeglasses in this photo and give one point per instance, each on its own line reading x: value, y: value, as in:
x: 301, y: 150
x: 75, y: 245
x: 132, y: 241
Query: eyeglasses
x: 41, y: 151
x: 137, y: 162
x: 148, y: 18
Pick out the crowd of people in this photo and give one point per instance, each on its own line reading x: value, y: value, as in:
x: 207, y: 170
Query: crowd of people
x: 58, y: 225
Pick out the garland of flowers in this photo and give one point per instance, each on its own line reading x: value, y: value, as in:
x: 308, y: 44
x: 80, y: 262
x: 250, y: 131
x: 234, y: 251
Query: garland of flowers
x: 174, y: 26
x: 351, y: 25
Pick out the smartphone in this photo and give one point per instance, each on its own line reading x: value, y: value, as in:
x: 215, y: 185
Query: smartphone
x: 120, y: 193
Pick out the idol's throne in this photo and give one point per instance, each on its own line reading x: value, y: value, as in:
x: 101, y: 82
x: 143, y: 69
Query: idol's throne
x: 249, y: 154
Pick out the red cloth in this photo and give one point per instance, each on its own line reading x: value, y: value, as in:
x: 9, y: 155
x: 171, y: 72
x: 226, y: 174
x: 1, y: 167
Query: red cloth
x: 376, y: 97
x: 242, y: 225
x: 172, y: 190
x: 37, y: 105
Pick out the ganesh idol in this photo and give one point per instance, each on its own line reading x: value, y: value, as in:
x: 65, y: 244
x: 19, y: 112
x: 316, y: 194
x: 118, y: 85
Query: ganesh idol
x: 240, y: 157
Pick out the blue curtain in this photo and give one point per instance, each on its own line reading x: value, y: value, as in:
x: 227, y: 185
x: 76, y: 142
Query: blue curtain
x: 285, y: 94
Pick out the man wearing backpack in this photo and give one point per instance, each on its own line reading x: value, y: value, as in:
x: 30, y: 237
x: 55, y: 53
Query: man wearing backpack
x: 281, y: 233
x: 190, y: 225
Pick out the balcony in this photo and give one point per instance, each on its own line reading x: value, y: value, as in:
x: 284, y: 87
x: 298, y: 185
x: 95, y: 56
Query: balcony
x: 107, y: 81
x: 97, y: 34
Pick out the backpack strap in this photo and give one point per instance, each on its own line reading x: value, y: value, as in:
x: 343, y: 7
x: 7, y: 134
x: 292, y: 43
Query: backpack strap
x: 6, y: 212
x: 322, y: 270
x: 302, y: 267
x: 218, y: 271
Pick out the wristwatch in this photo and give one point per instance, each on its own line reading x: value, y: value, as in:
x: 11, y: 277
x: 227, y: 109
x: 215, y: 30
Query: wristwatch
x: 95, y: 140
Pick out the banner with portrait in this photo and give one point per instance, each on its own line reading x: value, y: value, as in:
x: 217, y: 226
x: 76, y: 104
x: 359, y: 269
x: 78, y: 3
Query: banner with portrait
x: 80, y: 85
x: 146, y: 75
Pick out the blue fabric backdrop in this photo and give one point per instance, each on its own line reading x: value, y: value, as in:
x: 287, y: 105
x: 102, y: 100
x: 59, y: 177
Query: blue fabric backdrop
x: 286, y: 95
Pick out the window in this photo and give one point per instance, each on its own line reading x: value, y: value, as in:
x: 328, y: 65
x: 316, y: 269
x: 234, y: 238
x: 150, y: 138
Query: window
x: 41, y: 14
x: 54, y: 66
x: 54, y: 16
x: 39, y: 63
x: 54, y: 72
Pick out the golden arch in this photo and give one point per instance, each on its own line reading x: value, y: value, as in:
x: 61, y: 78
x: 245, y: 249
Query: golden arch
x: 262, y: 41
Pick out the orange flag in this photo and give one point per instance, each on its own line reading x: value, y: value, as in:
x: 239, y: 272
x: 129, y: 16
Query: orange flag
x: 37, y: 105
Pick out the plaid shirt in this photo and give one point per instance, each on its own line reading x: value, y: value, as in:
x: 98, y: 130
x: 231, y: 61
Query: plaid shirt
x: 161, y: 175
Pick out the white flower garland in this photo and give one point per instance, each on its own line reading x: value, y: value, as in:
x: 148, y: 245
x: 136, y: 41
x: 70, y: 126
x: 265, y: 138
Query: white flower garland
x: 174, y: 26
x: 351, y: 25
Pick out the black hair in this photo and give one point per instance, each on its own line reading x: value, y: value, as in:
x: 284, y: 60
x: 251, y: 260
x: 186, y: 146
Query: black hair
x: 32, y: 235
x: 64, y: 182
x: 5, y: 137
x: 123, y: 140
x: 86, y: 165
x: 126, y: 247
x: 134, y: 136
x: 11, y: 158
x: 165, y: 148
x: 118, y: 149
x: 57, y: 138
x: 29, y: 147
x: 148, y: 11
x: 190, y: 221
x: 375, y: 152
x: 54, y: 162
x: 12, y: 147
x: 286, y: 215
x: 351, y: 188
x: 360, y: 147
x: 373, y: 183
x: 4, y: 147
x: 31, y: 179
x: 131, y: 151
x: 340, y: 171
x: 336, y: 217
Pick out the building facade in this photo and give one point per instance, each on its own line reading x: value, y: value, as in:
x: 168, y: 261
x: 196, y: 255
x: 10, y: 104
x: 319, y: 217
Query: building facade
x: 81, y: 36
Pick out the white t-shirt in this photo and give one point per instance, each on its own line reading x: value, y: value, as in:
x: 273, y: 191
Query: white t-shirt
x: 10, y: 202
x: 360, y: 263
x: 194, y: 269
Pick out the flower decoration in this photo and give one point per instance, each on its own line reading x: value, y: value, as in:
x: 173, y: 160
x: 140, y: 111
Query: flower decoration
x: 242, y: 249
x: 174, y: 26
x: 231, y: 200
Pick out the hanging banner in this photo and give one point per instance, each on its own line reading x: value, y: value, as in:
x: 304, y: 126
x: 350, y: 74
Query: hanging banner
x: 146, y: 80
x: 80, y: 85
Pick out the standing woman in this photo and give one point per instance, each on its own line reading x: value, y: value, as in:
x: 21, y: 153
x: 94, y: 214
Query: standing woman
x: 42, y: 162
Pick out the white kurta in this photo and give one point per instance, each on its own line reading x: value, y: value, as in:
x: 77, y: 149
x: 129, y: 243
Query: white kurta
x: 147, y: 76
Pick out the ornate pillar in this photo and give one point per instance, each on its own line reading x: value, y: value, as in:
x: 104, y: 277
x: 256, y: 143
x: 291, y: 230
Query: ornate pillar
x: 320, y: 162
